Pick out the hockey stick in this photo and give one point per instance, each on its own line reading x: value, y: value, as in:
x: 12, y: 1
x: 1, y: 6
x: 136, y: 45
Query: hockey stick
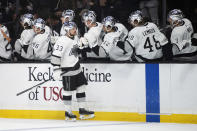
x: 32, y: 87
x: 37, y: 85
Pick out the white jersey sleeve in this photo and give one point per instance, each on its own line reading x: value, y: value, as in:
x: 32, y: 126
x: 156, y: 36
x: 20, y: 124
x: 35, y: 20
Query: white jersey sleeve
x: 62, y: 31
x: 26, y: 40
x: 48, y: 30
x: 122, y: 30
x: 41, y: 46
x: 159, y: 36
x: 59, y: 48
x: 188, y: 24
x: 93, y: 35
x: 27, y: 36
x: 65, y: 52
x: 177, y: 38
x: 110, y: 40
x: 5, y: 47
x: 132, y: 38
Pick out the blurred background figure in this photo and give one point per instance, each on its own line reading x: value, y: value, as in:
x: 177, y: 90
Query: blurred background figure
x: 149, y: 9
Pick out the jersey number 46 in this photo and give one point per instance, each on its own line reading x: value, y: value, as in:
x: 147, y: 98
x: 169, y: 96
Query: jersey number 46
x: 149, y: 44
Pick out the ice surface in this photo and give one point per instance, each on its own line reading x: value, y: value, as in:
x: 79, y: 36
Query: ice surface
x: 61, y: 125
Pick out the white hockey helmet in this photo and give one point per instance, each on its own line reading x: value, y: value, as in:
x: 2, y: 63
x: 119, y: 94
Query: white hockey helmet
x: 84, y: 14
x: 174, y: 20
x: 39, y: 24
x: 176, y: 12
x: 135, y: 17
x: 68, y: 14
x: 69, y: 25
x: 108, y: 23
x: 91, y: 16
x: 27, y: 19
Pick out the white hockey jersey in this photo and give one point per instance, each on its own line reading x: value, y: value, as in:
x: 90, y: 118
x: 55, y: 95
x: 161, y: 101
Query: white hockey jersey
x: 188, y: 23
x: 181, y: 36
x: 47, y: 30
x: 5, y: 47
x: 115, y: 48
x: 93, y: 35
x: 147, y: 41
x: 94, y: 38
x: 41, y: 45
x: 122, y: 30
x: 109, y: 44
x: 65, y: 49
x: 26, y: 39
x: 62, y: 31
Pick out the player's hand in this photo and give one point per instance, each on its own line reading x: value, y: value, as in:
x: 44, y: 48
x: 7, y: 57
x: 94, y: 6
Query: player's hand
x: 57, y: 74
x: 83, y: 43
x: 53, y: 39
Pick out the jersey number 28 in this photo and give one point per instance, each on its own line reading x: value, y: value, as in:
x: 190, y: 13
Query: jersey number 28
x: 149, y: 45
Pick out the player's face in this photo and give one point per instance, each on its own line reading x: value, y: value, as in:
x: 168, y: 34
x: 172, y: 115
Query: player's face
x: 88, y: 23
x: 63, y: 19
x: 134, y: 23
x: 37, y: 30
x: 73, y: 31
x: 106, y: 29
x: 173, y: 24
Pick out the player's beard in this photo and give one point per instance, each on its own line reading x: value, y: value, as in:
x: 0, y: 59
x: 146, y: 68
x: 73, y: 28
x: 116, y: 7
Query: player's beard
x: 71, y: 35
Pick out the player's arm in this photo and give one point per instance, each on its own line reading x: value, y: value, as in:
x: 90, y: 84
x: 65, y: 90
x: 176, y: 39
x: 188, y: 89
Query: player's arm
x: 131, y: 41
x: 91, y: 39
x: 124, y: 33
x: 56, y: 60
x: 87, y: 43
x: 57, y: 54
x: 177, y: 39
x: 165, y: 45
x: 5, y: 33
x: 25, y: 39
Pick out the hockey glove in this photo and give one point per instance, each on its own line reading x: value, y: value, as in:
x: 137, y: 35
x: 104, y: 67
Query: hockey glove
x: 53, y: 39
x: 83, y: 43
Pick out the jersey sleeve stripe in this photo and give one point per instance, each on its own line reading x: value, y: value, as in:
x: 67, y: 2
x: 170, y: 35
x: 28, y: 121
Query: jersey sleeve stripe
x: 55, y: 56
x: 55, y: 60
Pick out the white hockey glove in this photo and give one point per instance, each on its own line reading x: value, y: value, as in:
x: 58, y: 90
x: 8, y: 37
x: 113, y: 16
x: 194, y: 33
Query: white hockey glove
x: 182, y: 45
x: 57, y: 74
x: 83, y: 43
x: 54, y: 39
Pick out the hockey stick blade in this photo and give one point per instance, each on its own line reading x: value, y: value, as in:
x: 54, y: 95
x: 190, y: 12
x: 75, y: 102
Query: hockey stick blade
x: 32, y: 87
